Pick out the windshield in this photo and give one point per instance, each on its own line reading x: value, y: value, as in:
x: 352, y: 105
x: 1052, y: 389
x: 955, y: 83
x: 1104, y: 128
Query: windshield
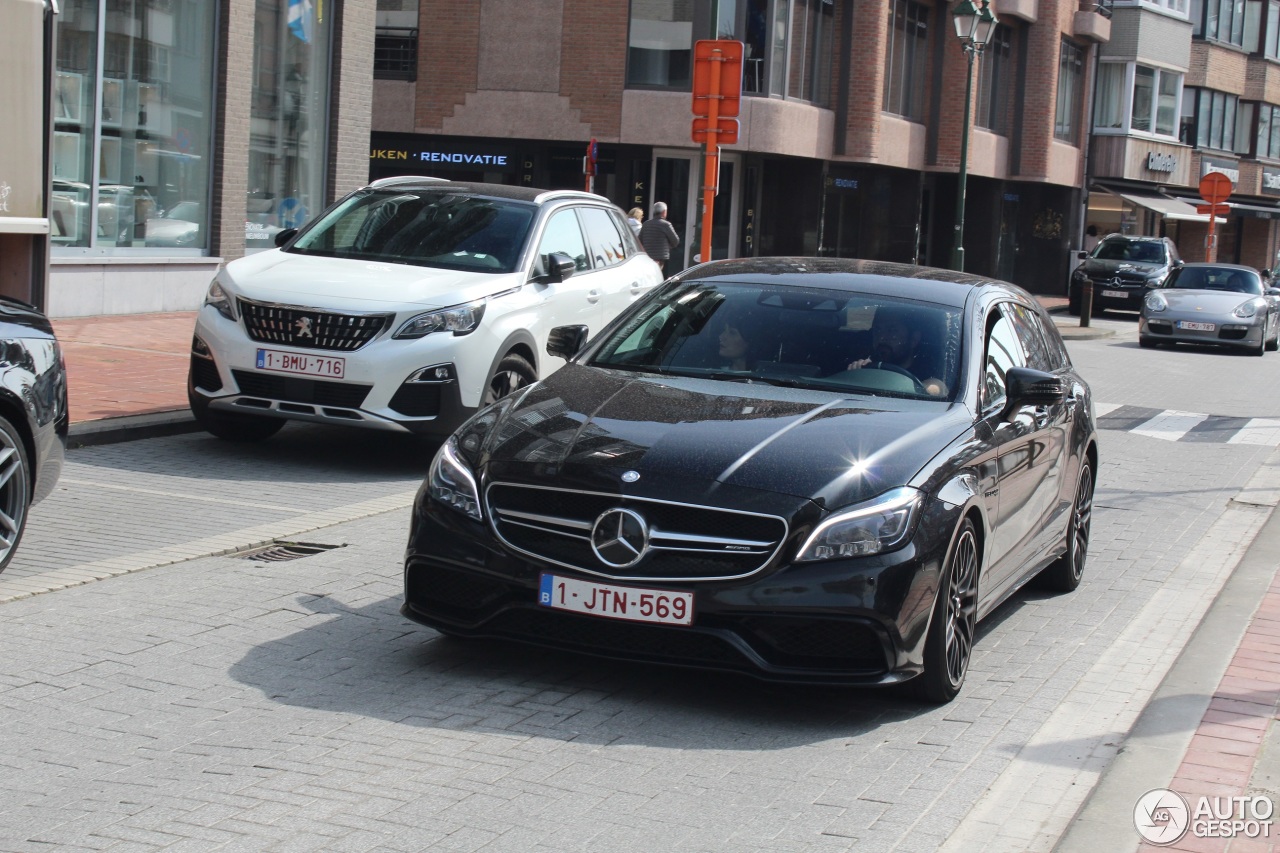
x: 797, y: 337
x: 1138, y: 251
x: 426, y: 228
x: 1217, y: 278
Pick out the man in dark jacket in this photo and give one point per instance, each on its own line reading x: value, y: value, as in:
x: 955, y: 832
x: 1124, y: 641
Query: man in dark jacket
x: 659, y: 237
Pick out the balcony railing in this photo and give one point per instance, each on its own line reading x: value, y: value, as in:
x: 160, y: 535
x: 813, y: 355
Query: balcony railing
x: 395, y: 53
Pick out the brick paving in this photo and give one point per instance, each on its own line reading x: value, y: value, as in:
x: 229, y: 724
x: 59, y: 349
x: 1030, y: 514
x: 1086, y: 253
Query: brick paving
x: 1225, y: 748
x: 126, y: 364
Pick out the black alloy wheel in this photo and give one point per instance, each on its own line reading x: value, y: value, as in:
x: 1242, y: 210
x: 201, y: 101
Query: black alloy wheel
x: 229, y: 426
x: 1064, y: 574
x: 513, y: 373
x: 15, y: 491
x: 953, y: 628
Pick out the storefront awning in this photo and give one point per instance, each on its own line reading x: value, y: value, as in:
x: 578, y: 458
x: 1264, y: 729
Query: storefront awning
x: 1169, y: 208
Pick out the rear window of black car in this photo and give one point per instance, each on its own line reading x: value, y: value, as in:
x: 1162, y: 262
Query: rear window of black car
x: 426, y: 228
x: 797, y: 337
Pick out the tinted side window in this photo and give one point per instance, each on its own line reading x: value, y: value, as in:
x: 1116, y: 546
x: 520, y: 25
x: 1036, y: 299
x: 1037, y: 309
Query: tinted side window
x: 1003, y: 351
x: 563, y: 235
x: 603, y: 237
x: 1031, y: 335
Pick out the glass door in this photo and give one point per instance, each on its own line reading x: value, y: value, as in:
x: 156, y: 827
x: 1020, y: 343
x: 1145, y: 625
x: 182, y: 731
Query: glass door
x: 676, y: 180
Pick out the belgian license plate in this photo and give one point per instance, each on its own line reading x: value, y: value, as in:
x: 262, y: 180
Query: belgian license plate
x: 1193, y: 326
x: 305, y: 365
x: 664, y: 606
x: 1117, y: 294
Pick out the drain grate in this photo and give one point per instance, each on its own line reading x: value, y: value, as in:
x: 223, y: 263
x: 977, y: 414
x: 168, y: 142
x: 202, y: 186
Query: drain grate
x: 279, y: 552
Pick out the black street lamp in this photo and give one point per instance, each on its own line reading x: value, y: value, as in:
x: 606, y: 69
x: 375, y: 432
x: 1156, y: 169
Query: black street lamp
x: 974, y: 26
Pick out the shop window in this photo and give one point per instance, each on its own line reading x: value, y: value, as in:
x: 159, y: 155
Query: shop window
x: 132, y: 126
x: 906, y: 59
x: 1066, y: 125
x: 289, y: 106
x: 996, y: 82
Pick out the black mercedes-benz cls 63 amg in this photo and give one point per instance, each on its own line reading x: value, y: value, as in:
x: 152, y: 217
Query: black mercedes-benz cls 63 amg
x: 807, y: 470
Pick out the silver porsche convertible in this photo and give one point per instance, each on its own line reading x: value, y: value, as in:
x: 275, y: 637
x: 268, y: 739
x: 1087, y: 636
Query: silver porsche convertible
x: 1222, y: 304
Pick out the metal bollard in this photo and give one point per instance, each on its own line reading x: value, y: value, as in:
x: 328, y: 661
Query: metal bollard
x: 1086, y: 302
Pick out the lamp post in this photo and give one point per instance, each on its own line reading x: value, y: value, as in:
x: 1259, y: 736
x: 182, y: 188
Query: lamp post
x: 974, y: 26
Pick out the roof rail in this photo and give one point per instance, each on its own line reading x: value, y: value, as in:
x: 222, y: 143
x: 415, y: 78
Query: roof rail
x: 552, y: 194
x: 406, y: 179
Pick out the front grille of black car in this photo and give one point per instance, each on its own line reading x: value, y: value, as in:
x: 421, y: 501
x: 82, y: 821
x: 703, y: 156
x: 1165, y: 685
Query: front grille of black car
x: 1122, y: 280
x: 685, y: 541
x: 293, y: 389
x: 308, y: 328
x: 204, y: 373
x: 628, y: 639
x: 809, y: 642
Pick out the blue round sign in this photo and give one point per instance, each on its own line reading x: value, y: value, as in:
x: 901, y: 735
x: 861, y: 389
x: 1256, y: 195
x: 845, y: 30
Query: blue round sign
x: 292, y: 213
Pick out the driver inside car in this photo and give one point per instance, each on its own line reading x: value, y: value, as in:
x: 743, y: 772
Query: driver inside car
x: 896, y: 344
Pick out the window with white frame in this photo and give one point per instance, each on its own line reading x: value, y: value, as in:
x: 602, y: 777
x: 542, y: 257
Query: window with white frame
x: 1137, y: 98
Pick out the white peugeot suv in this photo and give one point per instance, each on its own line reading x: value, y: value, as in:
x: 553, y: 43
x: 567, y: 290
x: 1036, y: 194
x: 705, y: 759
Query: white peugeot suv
x: 407, y: 306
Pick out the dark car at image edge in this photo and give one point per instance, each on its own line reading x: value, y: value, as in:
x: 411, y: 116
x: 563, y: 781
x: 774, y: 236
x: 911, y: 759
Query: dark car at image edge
x: 794, y: 519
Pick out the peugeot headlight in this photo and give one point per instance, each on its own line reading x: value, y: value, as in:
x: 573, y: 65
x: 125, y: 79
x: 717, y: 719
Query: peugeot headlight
x: 1245, y: 310
x: 219, y: 299
x: 450, y: 481
x: 1155, y: 302
x: 872, y: 528
x: 460, y: 319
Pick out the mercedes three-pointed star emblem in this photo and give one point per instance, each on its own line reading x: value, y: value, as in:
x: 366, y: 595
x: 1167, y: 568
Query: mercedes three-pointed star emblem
x: 620, y: 538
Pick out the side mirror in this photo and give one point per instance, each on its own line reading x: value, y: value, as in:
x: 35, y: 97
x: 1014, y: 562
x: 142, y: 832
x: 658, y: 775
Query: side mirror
x: 1082, y: 255
x: 1273, y: 291
x: 559, y: 266
x: 566, y: 341
x: 1266, y: 273
x: 1027, y: 387
x: 285, y: 236
x: 1178, y: 263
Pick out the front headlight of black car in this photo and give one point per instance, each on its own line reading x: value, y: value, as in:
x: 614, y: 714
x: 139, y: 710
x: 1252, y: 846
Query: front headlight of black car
x: 450, y: 481
x: 874, y: 527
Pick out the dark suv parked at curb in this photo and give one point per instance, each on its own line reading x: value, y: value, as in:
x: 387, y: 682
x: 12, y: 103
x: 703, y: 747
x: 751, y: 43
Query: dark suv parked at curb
x: 1123, y: 269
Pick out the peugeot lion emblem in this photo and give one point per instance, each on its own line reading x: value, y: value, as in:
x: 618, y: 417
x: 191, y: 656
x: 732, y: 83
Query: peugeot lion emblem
x: 304, y: 327
x: 620, y: 538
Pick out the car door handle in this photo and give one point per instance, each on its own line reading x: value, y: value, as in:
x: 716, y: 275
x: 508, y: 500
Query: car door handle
x: 635, y: 287
x: 593, y: 296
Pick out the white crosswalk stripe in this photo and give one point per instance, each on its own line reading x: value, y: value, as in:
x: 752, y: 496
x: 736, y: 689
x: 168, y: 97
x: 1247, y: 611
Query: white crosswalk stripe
x: 1263, y: 431
x: 1170, y: 425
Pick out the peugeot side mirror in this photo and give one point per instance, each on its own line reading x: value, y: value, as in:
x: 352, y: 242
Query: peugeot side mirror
x: 284, y: 236
x: 1027, y: 387
x: 559, y: 266
x: 566, y: 341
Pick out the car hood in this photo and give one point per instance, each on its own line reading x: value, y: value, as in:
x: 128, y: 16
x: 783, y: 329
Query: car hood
x: 583, y: 427
x: 1207, y: 301
x: 342, y: 284
x: 1096, y: 266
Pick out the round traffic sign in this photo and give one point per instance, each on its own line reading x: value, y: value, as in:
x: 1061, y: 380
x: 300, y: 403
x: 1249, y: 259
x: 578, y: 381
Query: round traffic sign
x: 1215, y: 187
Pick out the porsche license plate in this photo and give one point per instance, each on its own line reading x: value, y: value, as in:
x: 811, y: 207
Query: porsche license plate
x: 1116, y: 294
x: 304, y: 365
x: 1193, y: 326
x: 664, y: 606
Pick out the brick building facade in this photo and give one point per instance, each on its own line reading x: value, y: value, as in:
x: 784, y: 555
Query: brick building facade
x: 850, y: 121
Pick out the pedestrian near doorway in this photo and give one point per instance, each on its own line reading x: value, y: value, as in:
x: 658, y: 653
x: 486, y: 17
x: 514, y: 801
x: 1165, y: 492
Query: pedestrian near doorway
x: 635, y: 216
x: 659, y: 237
